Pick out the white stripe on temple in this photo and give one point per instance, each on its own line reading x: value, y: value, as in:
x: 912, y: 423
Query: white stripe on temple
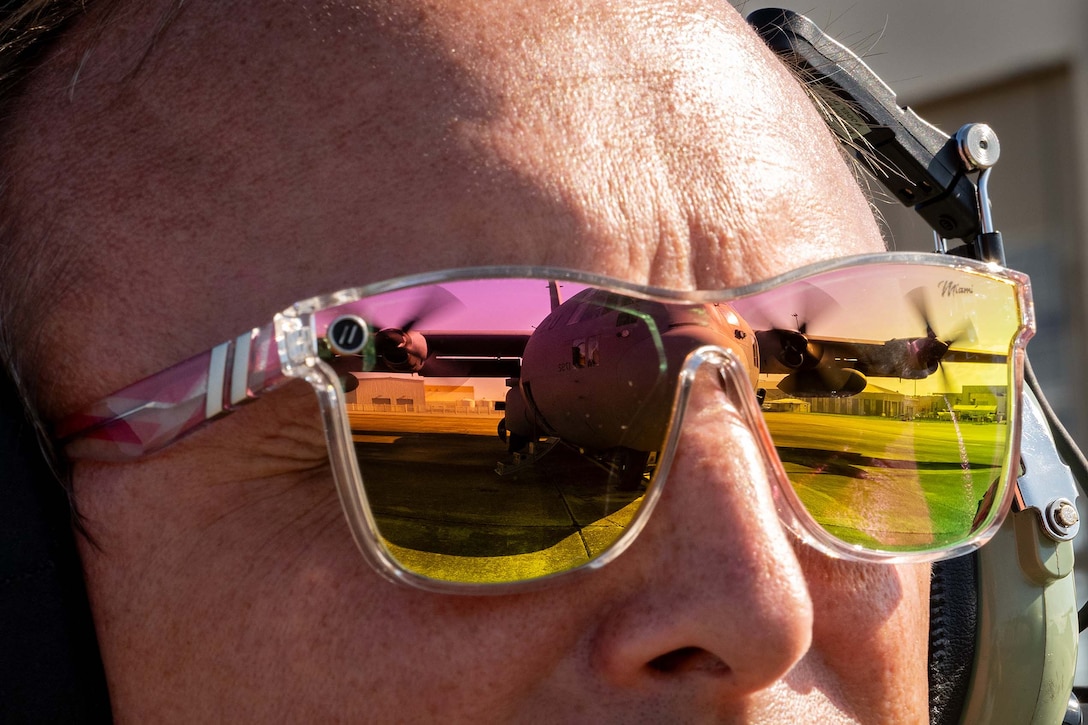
x: 239, y: 375
x: 217, y: 370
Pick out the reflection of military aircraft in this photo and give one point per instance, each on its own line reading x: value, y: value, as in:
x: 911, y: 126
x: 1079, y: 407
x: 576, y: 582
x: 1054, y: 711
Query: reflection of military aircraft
x: 824, y: 367
x: 598, y: 371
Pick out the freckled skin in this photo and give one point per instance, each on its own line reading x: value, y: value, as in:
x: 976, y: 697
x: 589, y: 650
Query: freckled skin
x: 266, y: 152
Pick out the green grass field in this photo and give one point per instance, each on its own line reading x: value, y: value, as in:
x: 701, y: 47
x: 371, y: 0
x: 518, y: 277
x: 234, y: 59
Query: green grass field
x: 444, y: 511
x: 902, y: 485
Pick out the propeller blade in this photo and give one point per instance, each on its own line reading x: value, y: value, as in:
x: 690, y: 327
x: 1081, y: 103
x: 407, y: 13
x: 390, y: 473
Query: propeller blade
x: 932, y: 354
x: 917, y: 297
x: 794, y: 308
x: 812, y: 305
x: 427, y: 304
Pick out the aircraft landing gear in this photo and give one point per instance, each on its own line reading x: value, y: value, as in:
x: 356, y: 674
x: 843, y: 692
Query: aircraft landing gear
x: 513, y: 441
x: 629, y: 467
x: 526, y: 455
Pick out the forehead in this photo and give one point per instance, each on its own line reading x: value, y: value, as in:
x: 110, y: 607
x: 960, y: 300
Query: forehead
x: 259, y: 153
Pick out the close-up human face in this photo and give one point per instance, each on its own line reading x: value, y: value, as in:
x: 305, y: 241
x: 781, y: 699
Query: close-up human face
x: 210, y: 170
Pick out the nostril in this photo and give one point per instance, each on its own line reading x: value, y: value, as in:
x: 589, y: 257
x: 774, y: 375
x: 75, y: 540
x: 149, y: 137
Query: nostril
x: 689, y: 659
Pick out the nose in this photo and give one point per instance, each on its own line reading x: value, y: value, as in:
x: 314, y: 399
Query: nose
x: 721, y: 603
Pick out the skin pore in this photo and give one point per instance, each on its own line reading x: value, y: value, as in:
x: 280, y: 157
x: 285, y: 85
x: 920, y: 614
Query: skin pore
x: 263, y: 152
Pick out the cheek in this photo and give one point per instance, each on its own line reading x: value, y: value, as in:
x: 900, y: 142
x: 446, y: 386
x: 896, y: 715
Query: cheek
x: 871, y: 628
x: 476, y: 656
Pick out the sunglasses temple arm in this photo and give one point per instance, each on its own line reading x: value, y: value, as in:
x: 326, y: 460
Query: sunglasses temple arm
x: 160, y: 409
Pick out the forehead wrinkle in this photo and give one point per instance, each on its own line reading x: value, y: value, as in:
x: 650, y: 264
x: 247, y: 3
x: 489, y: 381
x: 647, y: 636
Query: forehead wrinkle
x: 727, y: 149
x: 786, y: 178
x: 628, y: 160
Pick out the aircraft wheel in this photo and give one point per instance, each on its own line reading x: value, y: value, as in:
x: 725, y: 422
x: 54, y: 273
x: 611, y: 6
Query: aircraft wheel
x: 515, y: 442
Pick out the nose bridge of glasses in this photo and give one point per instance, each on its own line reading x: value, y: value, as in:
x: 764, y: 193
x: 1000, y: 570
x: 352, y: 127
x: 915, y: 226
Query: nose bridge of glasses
x: 726, y: 371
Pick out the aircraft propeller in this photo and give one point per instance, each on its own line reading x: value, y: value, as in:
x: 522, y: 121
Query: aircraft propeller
x: 398, y: 345
x: 788, y: 340
x: 926, y: 354
x: 811, y: 371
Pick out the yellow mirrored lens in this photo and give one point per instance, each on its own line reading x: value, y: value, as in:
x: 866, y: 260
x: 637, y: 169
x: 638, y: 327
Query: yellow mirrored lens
x: 452, y: 503
x: 914, y: 456
x: 488, y: 456
x: 905, y: 479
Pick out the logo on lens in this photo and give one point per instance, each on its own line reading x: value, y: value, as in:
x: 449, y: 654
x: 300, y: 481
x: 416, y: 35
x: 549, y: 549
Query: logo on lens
x: 954, y: 289
x: 347, y: 335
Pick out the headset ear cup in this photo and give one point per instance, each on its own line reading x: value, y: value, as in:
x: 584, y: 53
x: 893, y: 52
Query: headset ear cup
x: 953, y: 630
x: 50, y: 667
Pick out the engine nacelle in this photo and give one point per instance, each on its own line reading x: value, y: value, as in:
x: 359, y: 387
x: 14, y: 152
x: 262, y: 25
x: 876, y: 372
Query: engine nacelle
x: 400, y: 351
x: 791, y: 349
x: 925, y: 355
x: 828, y: 381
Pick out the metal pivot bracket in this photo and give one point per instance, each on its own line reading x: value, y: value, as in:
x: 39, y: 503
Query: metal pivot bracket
x: 1046, y: 483
x: 919, y: 164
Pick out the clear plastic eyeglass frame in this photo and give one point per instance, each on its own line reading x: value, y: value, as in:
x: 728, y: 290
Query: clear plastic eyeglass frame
x: 157, y: 411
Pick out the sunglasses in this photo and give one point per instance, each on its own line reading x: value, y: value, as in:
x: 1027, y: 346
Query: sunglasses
x: 490, y: 428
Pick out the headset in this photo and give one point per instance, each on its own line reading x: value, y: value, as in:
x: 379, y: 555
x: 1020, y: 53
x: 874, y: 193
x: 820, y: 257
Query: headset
x: 50, y: 668
x: 1004, y: 621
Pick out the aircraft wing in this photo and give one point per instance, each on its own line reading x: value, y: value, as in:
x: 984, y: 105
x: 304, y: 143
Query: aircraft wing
x: 902, y: 358
x: 471, y: 353
x: 784, y: 351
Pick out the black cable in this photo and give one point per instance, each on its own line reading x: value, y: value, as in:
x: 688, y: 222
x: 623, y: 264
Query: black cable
x: 1067, y: 448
